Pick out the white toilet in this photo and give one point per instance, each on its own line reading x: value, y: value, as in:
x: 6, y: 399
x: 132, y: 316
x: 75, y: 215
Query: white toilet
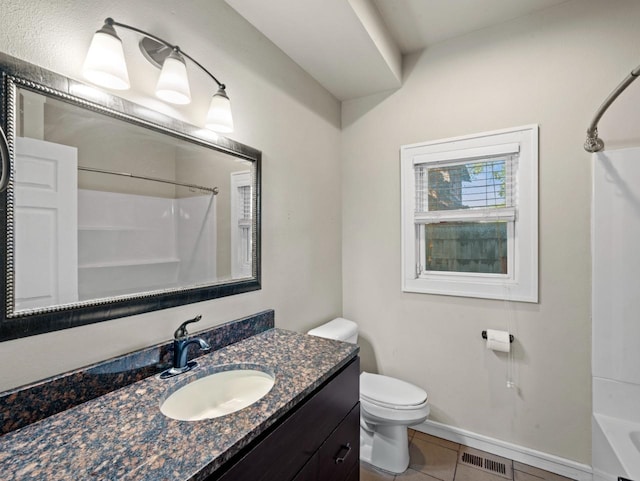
x: 387, y: 407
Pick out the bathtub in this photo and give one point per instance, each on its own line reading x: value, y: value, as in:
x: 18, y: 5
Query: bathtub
x: 616, y: 430
x: 618, y: 448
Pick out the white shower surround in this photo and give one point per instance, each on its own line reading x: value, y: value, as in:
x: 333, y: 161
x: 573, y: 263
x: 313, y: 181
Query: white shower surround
x: 124, y: 240
x: 616, y: 330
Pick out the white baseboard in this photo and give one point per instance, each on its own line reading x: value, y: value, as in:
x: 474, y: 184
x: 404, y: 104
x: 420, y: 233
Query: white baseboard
x: 538, y: 459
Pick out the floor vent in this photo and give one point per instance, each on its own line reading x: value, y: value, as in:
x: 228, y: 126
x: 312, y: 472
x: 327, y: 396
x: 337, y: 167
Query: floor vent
x: 472, y: 459
x: 495, y: 466
x: 488, y: 463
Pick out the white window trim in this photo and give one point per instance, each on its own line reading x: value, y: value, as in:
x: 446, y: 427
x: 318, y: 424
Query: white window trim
x: 522, y: 284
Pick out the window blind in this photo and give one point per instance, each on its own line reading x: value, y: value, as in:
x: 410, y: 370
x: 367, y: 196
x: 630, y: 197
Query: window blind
x: 474, y: 190
x: 245, y: 203
x: 468, y: 154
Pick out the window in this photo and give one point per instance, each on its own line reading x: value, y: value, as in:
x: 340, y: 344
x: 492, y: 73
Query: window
x: 470, y: 215
x: 241, y: 222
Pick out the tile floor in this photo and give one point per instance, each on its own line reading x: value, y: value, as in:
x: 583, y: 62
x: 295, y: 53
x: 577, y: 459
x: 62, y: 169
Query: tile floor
x: 436, y: 459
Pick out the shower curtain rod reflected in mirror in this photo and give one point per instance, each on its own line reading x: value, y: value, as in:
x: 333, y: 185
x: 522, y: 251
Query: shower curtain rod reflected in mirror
x: 593, y: 142
x: 213, y: 190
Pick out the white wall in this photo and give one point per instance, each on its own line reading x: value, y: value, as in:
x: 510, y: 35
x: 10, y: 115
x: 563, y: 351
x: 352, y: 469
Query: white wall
x: 277, y: 108
x: 552, y: 68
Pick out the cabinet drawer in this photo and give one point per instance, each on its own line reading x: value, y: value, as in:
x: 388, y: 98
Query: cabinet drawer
x: 341, y: 452
x: 279, y: 455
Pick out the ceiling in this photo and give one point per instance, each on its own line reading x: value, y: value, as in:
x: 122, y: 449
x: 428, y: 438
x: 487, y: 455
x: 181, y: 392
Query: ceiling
x: 354, y: 47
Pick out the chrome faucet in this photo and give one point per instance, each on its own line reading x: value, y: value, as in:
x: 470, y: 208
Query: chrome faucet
x: 180, y: 349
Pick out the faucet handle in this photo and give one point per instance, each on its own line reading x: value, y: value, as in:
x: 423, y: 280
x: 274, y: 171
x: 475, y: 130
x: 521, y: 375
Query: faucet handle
x: 181, y: 332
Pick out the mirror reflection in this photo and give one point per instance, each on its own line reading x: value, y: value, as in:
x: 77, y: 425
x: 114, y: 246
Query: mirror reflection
x: 106, y: 208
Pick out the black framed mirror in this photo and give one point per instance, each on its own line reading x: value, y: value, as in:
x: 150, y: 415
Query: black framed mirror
x: 112, y: 209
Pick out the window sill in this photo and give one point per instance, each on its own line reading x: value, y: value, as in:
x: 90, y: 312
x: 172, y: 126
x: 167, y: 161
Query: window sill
x: 486, y: 289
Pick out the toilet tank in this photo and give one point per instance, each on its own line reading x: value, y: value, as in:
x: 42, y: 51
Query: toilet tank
x: 339, y: 329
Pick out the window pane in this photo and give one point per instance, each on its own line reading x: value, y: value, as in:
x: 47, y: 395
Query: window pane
x: 475, y: 184
x: 244, y: 195
x: 466, y: 247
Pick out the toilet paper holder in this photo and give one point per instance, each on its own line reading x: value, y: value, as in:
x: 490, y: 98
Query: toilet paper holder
x: 484, y: 336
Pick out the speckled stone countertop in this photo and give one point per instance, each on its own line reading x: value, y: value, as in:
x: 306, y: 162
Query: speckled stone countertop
x: 124, y: 436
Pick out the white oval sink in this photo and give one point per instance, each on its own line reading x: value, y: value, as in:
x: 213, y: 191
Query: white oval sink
x: 217, y: 394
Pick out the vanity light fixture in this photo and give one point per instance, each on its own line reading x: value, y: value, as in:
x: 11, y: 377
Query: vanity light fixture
x: 173, y: 84
x: 105, y: 66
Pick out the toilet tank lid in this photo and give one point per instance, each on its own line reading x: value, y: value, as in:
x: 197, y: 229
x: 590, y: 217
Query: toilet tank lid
x: 390, y: 391
x: 340, y: 329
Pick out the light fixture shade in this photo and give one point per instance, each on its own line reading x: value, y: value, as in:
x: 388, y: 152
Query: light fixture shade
x: 105, y: 64
x: 219, y: 118
x: 173, y: 84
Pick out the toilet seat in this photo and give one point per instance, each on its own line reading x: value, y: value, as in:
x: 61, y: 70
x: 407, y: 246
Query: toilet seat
x: 386, y: 400
x: 391, y: 393
x: 394, y: 407
x: 372, y: 412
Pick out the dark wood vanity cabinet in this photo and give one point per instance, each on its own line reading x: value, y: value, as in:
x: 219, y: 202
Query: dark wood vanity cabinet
x: 318, y: 441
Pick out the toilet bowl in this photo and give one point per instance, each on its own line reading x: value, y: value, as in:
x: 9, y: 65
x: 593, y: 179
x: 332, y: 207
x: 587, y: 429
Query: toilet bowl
x: 387, y: 407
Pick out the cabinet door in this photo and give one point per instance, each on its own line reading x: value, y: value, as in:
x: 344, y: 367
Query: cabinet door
x: 354, y: 475
x: 310, y: 471
x: 341, y: 451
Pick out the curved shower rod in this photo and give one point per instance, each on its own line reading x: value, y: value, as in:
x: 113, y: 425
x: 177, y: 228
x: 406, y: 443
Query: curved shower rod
x: 593, y: 142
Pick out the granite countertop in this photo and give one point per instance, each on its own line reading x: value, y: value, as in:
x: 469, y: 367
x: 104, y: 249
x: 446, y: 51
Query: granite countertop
x: 124, y: 436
